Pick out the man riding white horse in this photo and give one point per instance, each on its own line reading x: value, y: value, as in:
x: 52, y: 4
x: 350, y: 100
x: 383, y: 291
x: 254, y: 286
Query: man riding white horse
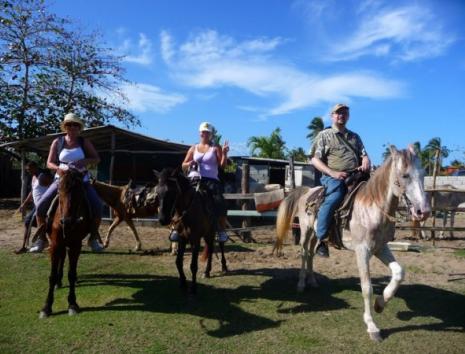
x: 335, y: 152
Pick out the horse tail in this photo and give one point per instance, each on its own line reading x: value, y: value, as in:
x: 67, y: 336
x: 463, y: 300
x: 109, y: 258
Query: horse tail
x: 286, y: 212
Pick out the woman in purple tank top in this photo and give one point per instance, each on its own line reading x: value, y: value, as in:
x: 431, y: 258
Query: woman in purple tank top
x: 206, y: 158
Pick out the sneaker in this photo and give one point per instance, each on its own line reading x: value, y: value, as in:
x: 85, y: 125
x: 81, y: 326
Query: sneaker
x: 39, y: 246
x: 322, y: 249
x: 174, y: 236
x: 95, y: 245
x: 222, y: 236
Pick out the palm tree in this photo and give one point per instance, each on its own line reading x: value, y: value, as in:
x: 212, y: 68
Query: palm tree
x: 216, y: 138
x: 315, y: 126
x: 434, y: 146
x: 272, y: 146
x: 298, y: 154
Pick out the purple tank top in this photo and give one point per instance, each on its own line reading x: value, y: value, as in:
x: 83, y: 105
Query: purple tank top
x: 208, y: 162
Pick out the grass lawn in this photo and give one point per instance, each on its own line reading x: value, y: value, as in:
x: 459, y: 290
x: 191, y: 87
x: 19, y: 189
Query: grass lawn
x: 131, y: 303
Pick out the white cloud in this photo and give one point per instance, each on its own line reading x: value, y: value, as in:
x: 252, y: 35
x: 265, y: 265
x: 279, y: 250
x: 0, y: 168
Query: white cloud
x: 405, y: 33
x: 144, y: 47
x: 209, y: 60
x: 149, y: 98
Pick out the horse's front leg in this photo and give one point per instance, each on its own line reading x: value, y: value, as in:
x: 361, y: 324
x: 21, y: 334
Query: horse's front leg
x: 136, y: 236
x: 179, y: 263
x: 397, y: 275
x: 363, y: 258
x: 208, y: 252
x: 61, y: 265
x: 194, y: 266
x: 56, y: 254
x: 115, y: 223
x: 73, y: 255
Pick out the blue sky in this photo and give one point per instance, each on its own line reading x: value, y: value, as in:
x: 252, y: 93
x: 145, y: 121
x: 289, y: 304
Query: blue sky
x: 251, y: 66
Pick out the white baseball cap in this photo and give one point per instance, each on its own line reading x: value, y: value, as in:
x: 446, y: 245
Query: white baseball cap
x: 205, y: 127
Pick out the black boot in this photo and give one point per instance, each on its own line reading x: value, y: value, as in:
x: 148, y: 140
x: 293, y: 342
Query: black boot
x: 322, y: 249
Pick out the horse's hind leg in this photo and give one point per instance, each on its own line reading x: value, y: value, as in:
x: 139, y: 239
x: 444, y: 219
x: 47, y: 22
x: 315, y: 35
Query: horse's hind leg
x: 194, y: 266
x: 115, y: 223
x: 73, y: 255
x: 179, y: 263
x: 56, y: 253
x: 61, y: 265
x: 224, y: 267
x: 304, y: 240
x: 386, y: 256
x: 136, y: 236
x: 363, y: 259
x: 311, y: 280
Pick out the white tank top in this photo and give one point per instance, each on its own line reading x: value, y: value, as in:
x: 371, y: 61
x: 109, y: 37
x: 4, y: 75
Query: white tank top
x: 71, y: 155
x: 37, y: 190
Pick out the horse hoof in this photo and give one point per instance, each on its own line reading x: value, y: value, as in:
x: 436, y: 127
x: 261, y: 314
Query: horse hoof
x: 72, y: 312
x: 379, y: 305
x: 224, y: 270
x: 375, y: 336
x: 206, y: 275
x: 43, y: 314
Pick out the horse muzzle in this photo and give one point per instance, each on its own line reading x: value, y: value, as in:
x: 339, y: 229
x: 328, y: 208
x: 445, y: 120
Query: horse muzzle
x: 419, y: 215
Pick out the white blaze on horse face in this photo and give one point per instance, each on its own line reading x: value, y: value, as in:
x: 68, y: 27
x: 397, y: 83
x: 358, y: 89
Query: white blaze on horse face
x: 414, y: 190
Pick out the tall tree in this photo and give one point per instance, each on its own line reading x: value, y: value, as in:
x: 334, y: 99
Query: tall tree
x: 272, y: 146
x: 316, y: 125
x: 434, y: 146
x: 49, y: 70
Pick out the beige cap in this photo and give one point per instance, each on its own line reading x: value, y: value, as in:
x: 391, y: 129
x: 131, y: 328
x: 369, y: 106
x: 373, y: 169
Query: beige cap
x: 205, y: 127
x: 338, y: 106
x: 71, y: 118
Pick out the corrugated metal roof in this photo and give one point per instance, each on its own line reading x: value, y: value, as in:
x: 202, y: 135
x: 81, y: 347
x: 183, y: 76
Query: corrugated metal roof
x: 101, y: 139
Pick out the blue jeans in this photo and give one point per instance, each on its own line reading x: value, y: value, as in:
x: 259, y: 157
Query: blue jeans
x: 44, y: 203
x: 334, y: 194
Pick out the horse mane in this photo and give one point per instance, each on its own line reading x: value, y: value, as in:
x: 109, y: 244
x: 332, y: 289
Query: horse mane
x: 377, y: 186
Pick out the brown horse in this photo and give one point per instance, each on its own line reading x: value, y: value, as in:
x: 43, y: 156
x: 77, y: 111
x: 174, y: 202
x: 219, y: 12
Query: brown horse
x: 114, y: 197
x: 186, y: 209
x: 70, y: 224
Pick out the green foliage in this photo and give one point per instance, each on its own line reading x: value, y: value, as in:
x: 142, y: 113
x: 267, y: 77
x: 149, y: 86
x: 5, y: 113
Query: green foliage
x: 316, y: 125
x: 48, y: 70
x: 272, y: 146
x: 298, y: 154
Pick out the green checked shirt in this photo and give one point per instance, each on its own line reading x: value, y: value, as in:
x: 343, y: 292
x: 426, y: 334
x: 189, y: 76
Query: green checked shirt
x: 330, y: 148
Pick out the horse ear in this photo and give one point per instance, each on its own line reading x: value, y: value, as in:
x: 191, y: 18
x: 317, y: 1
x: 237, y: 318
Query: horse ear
x: 393, y: 150
x: 156, y: 173
x: 411, y: 149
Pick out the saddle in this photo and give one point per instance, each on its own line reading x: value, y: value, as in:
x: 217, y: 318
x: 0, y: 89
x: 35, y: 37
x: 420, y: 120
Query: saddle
x: 139, y: 197
x: 342, y: 215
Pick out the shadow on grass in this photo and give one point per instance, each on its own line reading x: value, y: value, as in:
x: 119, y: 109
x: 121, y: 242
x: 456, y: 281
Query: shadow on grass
x: 161, y: 294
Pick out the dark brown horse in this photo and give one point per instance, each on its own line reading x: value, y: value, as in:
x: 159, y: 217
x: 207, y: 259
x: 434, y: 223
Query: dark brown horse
x: 69, y: 225
x: 186, y: 208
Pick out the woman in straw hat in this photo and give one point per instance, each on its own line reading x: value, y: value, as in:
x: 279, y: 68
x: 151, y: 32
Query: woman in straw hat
x: 65, y: 151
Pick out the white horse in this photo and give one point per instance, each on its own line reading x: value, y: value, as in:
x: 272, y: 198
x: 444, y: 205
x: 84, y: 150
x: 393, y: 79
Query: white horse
x: 371, y: 226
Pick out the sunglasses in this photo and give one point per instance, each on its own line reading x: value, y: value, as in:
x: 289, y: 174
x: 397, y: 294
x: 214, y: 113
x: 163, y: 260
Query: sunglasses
x: 72, y: 125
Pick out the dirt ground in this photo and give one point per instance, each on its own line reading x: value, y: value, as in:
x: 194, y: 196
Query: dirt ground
x: 437, y: 266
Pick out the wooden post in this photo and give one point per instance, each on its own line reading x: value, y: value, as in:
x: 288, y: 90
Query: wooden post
x: 246, y: 235
x: 112, y: 165
x: 292, y: 173
x: 433, y: 201
x: 23, y: 180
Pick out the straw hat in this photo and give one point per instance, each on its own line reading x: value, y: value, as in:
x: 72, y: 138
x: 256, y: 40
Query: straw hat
x: 71, y: 118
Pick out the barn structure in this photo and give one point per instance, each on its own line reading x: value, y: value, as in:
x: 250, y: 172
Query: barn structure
x: 124, y: 154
